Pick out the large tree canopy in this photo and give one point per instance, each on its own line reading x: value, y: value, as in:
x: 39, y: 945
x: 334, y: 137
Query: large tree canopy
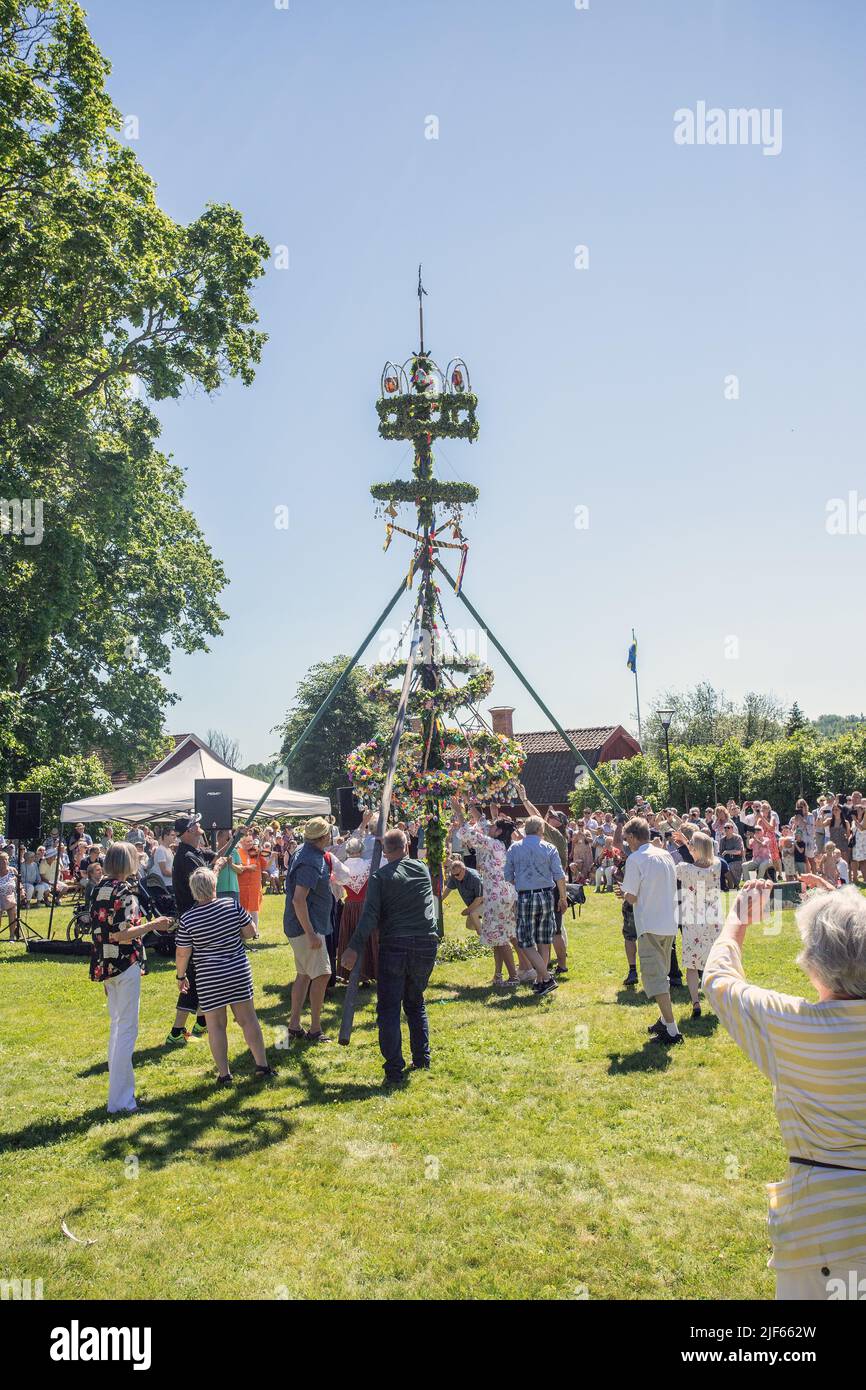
x: 104, y: 301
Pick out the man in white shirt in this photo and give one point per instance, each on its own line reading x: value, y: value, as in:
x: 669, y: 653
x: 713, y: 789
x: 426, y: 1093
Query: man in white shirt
x: 650, y: 887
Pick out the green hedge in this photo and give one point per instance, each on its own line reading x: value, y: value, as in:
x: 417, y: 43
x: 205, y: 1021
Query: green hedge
x: 780, y: 771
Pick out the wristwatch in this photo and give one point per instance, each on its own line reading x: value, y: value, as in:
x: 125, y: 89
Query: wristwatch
x: 179, y: 978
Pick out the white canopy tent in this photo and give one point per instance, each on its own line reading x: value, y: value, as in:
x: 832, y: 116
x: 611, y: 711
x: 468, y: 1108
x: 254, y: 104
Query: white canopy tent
x: 164, y: 795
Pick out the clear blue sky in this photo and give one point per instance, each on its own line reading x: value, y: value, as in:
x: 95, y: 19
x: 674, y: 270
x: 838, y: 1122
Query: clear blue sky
x: 601, y: 387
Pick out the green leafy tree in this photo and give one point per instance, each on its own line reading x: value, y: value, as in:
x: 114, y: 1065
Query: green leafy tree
x: 66, y: 779
x: 262, y: 771
x: 104, y: 302
x: 352, y: 718
x: 832, y: 725
x: 796, y: 720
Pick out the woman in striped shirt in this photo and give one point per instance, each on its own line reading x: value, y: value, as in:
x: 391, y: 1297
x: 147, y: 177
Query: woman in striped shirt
x: 214, y: 931
x: 815, y: 1057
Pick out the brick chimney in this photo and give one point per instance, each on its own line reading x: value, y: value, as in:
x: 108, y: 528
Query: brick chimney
x: 503, y: 719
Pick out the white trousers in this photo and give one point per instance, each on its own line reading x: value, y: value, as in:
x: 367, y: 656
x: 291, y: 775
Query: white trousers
x: 842, y: 1282
x: 124, y: 993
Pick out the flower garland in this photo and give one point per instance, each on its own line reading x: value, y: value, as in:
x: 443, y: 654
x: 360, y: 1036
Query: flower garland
x: 494, y: 762
x: 448, y: 699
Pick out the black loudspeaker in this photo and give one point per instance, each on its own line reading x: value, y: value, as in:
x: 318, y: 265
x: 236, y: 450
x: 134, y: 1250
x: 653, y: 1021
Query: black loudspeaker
x: 23, y: 815
x: 213, y: 802
x: 348, y: 810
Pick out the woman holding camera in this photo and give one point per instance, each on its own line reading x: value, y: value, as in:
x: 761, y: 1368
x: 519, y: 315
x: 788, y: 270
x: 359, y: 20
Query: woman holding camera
x: 814, y: 1052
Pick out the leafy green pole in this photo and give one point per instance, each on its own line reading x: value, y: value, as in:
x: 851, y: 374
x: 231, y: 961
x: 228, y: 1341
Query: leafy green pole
x: 420, y: 403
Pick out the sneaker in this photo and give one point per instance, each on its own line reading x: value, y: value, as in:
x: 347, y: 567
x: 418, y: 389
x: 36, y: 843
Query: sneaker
x: 527, y: 977
x: 657, y: 1027
x: 420, y: 1066
x: 177, y: 1041
x: 511, y: 984
x: 198, y: 1030
x: 631, y: 978
x: 545, y: 987
x: 665, y: 1040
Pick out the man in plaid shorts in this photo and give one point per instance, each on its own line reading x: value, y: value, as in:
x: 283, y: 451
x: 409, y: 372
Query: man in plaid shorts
x: 534, y: 867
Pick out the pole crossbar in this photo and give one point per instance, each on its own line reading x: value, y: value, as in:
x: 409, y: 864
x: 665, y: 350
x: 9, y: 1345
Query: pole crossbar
x: 534, y: 693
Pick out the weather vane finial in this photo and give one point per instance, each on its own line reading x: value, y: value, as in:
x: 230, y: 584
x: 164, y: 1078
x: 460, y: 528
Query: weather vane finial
x: 421, y: 291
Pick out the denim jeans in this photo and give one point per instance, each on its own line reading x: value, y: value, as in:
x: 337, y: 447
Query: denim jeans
x: 405, y: 965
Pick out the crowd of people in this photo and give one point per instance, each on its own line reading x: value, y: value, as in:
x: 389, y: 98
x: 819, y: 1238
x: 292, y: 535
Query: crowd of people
x: 515, y: 876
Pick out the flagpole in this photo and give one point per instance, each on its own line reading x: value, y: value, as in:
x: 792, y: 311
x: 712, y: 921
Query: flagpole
x: 637, y: 691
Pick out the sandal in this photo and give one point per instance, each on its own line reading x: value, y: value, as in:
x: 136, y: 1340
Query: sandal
x: 225, y: 1080
x: 296, y: 1033
x: 316, y: 1037
x: 262, y: 1072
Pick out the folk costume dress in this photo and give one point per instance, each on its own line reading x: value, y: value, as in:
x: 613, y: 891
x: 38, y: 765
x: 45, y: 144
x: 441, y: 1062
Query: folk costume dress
x: 353, y: 875
x: 498, y: 919
x: 700, y: 911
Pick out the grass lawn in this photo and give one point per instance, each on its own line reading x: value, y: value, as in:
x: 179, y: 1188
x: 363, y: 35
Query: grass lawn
x: 551, y: 1152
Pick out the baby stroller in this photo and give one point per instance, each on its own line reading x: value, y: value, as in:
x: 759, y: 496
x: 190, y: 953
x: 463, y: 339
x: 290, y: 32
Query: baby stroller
x: 158, y: 901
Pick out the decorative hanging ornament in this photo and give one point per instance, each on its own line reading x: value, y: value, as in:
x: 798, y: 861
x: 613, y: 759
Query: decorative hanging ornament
x: 457, y: 379
x: 391, y: 384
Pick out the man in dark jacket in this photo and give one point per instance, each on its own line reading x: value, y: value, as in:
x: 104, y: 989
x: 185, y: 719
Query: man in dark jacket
x: 400, y: 903
x: 188, y: 856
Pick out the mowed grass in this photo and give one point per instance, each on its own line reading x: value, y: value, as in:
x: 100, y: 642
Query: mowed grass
x: 551, y: 1152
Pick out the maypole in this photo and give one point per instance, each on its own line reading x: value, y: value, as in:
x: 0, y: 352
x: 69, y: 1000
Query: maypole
x: 419, y: 403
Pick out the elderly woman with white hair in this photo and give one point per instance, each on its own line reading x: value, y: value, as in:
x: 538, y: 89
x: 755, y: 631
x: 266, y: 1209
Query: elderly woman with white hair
x: 815, y: 1056
x: 214, y: 931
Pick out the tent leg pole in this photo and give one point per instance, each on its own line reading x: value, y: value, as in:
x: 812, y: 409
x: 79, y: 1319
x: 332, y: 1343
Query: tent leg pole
x: 56, y: 876
x: 536, y: 697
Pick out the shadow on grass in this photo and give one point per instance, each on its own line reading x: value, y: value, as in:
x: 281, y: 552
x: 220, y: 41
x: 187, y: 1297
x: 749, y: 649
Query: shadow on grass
x: 633, y: 996
x: 651, y: 1057
x: 169, y: 1126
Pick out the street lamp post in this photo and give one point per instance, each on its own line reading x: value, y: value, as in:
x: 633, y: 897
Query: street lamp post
x: 666, y: 715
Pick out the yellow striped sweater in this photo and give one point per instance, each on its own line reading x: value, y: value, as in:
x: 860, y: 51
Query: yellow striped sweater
x: 815, y: 1057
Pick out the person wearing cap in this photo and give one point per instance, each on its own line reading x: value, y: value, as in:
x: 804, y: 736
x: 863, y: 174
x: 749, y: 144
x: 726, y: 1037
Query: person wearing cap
x: 189, y: 855
x: 555, y: 823
x: 307, y: 924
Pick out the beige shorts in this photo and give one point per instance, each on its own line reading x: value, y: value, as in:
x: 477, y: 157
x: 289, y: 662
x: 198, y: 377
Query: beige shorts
x: 310, y: 960
x: 654, y: 954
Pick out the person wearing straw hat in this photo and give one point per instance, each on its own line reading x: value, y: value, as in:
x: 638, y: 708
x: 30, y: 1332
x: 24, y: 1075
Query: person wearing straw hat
x: 307, y: 924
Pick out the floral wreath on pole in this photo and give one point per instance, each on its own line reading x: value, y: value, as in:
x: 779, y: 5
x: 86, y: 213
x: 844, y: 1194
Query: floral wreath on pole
x: 477, y: 766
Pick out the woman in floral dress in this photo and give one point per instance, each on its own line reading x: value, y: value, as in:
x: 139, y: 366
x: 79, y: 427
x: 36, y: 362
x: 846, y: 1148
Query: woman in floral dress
x: 700, y: 910
x: 499, y: 904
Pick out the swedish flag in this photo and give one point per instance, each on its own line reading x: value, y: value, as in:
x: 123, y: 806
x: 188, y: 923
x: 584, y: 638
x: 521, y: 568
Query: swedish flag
x: 631, y: 661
